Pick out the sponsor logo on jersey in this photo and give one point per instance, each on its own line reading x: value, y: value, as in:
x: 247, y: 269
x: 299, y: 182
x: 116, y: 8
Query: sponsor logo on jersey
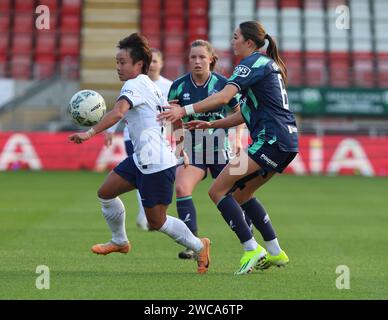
x: 270, y: 162
x: 186, y: 96
x: 241, y: 71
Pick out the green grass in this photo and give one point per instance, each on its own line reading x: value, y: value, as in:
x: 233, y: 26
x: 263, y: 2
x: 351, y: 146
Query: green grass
x: 53, y: 218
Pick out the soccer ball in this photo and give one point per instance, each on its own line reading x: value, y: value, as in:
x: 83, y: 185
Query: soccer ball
x: 86, y: 108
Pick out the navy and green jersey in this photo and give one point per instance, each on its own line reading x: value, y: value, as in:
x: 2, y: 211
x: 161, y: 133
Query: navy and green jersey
x: 186, y: 91
x: 264, y: 101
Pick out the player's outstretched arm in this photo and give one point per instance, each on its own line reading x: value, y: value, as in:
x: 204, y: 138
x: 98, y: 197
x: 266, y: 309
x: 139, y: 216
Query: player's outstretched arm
x: 112, y: 117
x: 174, y: 112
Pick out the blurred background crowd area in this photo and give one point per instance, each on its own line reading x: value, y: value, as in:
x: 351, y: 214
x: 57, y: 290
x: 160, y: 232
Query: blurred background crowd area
x: 336, y: 52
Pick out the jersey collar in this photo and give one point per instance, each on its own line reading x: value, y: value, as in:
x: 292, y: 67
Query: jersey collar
x: 204, y: 85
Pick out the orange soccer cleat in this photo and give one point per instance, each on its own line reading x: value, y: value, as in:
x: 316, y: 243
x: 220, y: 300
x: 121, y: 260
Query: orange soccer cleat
x: 109, y: 247
x: 203, y: 258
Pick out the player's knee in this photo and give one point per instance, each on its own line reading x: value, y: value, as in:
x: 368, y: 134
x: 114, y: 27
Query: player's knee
x: 102, y: 194
x: 182, y: 190
x: 154, y: 223
x: 213, y: 194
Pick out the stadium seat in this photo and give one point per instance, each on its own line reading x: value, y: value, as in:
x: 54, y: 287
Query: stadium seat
x: 149, y: 8
x: 3, y: 66
x: 72, y: 7
x: 70, y: 23
x: 316, y: 71
x: 174, y: 46
x: 44, y: 67
x: 382, y: 67
x: 293, y: 61
x: 174, y: 26
x: 339, y: 64
x: 21, y: 66
x: 150, y: 25
x: 173, y: 66
x: 5, y: 6
x: 23, y: 22
x: 4, y: 41
x: 363, y: 69
x: 24, y: 6
x: 69, y: 45
x: 52, y: 4
x: 69, y: 67
x: 198, y: 28
x: 154, y: 41
x: 174, y: 8
x: 4, y: 22
x: 45, y: 43
x: 198, y: 8
x: 22, y: 43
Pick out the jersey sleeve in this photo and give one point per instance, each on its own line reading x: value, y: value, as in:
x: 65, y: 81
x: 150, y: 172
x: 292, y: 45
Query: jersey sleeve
x: 131, y: 93
x: 249, y: 71
x: 172, y: 93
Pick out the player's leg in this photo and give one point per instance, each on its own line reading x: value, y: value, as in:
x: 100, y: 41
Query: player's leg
x: 157, y: 191
x: 185, y: 183
x: 231, y: 211
x: 141, y: 219
x: 113, y: 210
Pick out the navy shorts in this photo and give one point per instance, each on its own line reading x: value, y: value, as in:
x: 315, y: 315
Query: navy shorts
x: 155, y: 188
x: 129, y: 148
x: 215, y: 162
x: 269, y: 156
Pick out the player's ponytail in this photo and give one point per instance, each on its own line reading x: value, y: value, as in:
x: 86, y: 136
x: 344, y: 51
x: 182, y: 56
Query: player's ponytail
x: 254, y: 30
x: 273, y: 53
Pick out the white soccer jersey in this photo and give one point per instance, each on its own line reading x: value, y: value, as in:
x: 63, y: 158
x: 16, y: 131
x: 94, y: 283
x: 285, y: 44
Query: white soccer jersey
x: 152, y: 152
x: 164, y: 84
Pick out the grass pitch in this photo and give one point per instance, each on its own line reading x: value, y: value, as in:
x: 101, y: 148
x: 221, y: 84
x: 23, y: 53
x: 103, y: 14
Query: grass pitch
x: 53, y: 218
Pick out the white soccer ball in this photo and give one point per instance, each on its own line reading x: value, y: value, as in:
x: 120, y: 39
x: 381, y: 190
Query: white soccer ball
x: 86, y: 108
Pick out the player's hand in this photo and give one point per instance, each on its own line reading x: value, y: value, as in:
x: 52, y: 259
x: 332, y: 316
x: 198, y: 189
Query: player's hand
x: 197, y: 124
x: 186, y: 160
x: 237, y: 148
x: 108, y: 137
x: 173, y: 113
x: 79, y: 137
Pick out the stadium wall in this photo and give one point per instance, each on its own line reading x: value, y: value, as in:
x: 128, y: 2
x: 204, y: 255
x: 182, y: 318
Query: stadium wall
x: 326, y: 155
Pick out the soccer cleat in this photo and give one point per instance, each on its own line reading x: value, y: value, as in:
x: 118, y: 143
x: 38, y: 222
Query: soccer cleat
x: 280, y: 260
x: 187, y: 254
x: 203, y: 257
x: 250, y: 259
x: 109, y: 247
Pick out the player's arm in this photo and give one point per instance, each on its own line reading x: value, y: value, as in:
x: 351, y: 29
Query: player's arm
x: 175, y: 112
x: 233, y: 120
x: 111, y: 118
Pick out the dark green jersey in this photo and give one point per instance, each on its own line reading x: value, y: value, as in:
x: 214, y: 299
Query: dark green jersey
x: 186, y: 91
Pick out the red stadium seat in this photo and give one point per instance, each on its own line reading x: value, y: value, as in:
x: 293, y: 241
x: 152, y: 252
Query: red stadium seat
x: 69, y: 67
x: 198, y: 8
x: 150, y: 25
x: 363, y: 69
x: 51, y: 4
x: 150, y: 7
x: 44, y: 67
x: 339, y: 64
x: 316, y: 71
x: 173, y: 66
x: 24, y: 6
x: 154, y: 41
x: 71, y: 7
x: 4, y: 41
x: 22, y: 43
x: 21, y: 66
x: 23, y: 22
x: 293, y: 61
x: 3, y: 66
x: 289, y: 3
x: 174, y: 8
x: 174, y: 46
x: 5, y: 6
x: 70, y: 23
x: 45, y: 43
x: 69, y: 45
x: 198, y: 28
x: 4, y: 22
x: 382, y: 69
x: 174, y: 26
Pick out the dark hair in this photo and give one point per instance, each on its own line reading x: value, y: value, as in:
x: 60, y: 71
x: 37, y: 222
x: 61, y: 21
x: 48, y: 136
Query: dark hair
x: 138, y: 50
x: 254, y: 30
x: 209, y: 48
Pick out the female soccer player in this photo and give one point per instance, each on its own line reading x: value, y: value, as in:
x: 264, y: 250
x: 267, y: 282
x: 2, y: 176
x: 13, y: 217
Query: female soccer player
x: 264, y: 108
x: 164, y: 85
x: 207, y: 149
x: 151, y: 168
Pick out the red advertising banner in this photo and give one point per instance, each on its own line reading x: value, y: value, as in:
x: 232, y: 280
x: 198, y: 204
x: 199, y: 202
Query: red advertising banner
x: 350, y: 155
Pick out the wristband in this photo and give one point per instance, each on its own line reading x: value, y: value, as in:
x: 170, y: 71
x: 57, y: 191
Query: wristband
x: 91, y: 132
x: 189, y: 109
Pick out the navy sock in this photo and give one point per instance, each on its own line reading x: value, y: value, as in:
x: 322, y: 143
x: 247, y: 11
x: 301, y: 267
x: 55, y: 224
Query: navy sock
x: 256, y: 212
x: 249, y: 222
x: 233, y: 215
x: 187, y: 213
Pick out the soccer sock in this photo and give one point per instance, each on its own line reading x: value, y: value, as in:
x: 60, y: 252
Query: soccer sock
x: 141, y: 209
x: 233, y: 215
x: 248, y: 221
x: 256, y: 212
x: 177, y: 230
x: 113, y: 211
x: 187, y: 213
